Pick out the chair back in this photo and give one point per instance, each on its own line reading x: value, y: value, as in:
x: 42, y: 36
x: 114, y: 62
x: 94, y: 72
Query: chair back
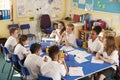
x: 40, y: 77
x: 15, y: 58
x: 45, y: 21
x: 24, y: 70
x: 13, y: 25
x: 25, y: 27
x: 4, y: 49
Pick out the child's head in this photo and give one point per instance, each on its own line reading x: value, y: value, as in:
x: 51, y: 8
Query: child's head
x: 54, y: 52
x: 109, y: 44
x: 13, y: 32
x: 55, y: 25
x: 35, y: 48
x: 95, y: 32
x: 69, y: 28
x: 23, y: 40
x: 61, y: 26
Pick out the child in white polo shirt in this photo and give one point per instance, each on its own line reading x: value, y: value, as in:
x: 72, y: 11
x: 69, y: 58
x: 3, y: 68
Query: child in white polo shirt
x: 55, y: 68
x: 68, y: 36
x: 12, y: 40
x: 34, y: 62
x: 94, y: 44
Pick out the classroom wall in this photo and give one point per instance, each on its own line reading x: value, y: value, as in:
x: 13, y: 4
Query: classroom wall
x: 109, y: 17
x: 35, y: 24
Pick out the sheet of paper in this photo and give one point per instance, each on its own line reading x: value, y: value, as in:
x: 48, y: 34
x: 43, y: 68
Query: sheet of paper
x: 76, y: 71
x: 67, y: 48
x: 94, y: 60
x: 80, y: 60
x: 79, y: 53
x: 48, y: 39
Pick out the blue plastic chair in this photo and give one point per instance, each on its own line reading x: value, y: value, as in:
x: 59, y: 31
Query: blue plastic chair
x: 24, y: 71
x: 27, y: 27
x: 15, y: 65
x: 40, y: 77
x: 5, y: 52
x: 13, y: 25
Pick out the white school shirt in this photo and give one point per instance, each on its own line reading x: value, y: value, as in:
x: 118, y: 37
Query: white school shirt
x: 114, y: 56
x: 95, y: 45
x: 10, y: 43
x: 54, y: 70
x: 71, y: 39
x: 20, y: 51
x: 56, y: 36
x: 33, y: 63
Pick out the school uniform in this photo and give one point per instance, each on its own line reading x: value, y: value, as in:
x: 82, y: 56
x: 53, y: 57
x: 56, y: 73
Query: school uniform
x: 10, y: 43
x: 71, y: 39
x: 54, y: 70
x: 55, y: 35
x: 114, y: 56
x: 21, y: 51
x: 33, y: 63
x: 95, y: 45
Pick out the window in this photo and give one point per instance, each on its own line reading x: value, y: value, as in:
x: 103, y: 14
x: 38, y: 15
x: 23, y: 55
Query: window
x: 5, y: 6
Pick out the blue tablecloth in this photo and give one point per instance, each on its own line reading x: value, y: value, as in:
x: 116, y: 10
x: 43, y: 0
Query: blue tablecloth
x: 88, y: 67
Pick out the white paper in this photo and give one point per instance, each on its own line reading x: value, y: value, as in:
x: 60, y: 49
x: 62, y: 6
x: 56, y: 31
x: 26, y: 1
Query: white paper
x: 80, y: 60
x: 79, y: 53
x: 48, y: 39
x: 98, y: 61
x: 76, y: 71
x: 67, y: 48
x: 81, y: 1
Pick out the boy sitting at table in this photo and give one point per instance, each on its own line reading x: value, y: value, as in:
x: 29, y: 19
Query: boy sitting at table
x: 34, y: 62
x: 55, y: 68
x: 68, y: 36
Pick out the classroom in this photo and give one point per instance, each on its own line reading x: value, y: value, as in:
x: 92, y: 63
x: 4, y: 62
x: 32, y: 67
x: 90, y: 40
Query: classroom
x: 59, y: 39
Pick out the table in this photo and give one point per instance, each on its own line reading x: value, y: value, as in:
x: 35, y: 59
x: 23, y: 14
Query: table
x: 88, y: 67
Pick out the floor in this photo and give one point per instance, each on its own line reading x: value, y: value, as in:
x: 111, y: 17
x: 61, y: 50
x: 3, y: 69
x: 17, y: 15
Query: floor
x: 3, y: 76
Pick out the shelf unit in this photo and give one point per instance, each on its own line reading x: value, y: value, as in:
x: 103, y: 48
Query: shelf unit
x: 84, y: 36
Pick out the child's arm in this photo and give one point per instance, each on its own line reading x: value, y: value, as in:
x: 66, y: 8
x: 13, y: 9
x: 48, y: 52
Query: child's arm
x: 63, y: 62
x: 111, y: 61
x: 66, y: 41
x: 53, y: 33
x: 61, y: 38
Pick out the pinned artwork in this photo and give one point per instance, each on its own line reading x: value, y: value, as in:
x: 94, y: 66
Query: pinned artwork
x: 35, y: 8
x: 88, y: 7
x: 75, y: 5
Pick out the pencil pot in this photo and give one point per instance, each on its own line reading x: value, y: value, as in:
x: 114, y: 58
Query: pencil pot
x: 62, y: 54
x: 47, y: 50
x: 66, y: 57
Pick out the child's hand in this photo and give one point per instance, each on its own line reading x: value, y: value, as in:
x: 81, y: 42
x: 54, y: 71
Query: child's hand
x: 45, y: 59
x: 101, y: 57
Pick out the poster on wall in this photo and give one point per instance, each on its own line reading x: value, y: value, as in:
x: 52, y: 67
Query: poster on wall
x: 21, y: 8
x: 34, y: 8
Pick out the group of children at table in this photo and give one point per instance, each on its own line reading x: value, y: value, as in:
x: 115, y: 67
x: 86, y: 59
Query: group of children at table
x: 104, y: 49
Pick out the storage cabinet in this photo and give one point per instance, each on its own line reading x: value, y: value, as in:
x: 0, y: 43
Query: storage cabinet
x: 84, y: 36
